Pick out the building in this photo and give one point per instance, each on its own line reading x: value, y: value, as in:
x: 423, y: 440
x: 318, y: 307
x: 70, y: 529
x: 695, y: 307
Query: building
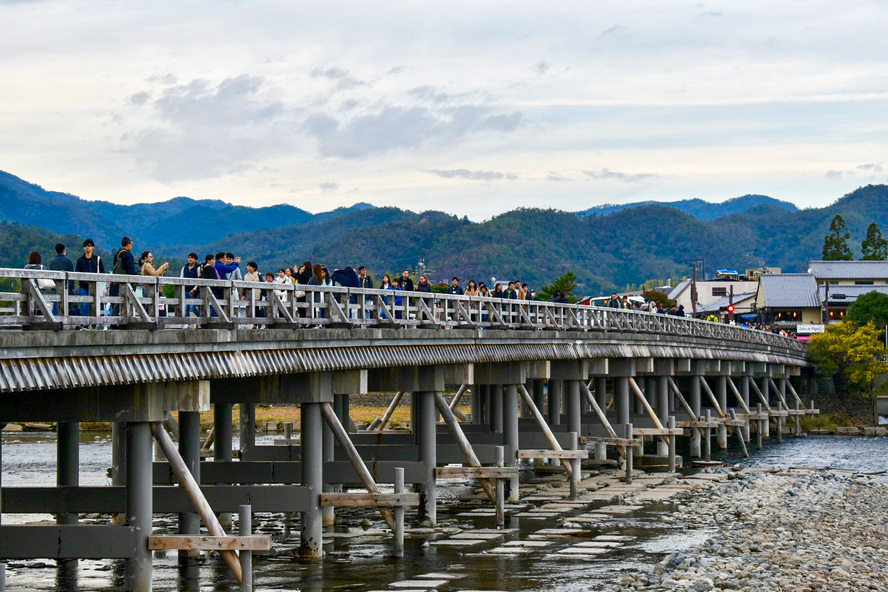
x: 788, y: 299
x: 710, y: 292
x: 840, y: 283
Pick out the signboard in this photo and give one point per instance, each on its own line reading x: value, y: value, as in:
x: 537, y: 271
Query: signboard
x: 810, y: 329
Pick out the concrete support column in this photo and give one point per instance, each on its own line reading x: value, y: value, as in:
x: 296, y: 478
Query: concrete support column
x: 623, y: 405
x: 556, y: 387
x: 222, y: 450
x: 328, y: 512
x: 510, y: 433
x: 312, y: 445
x: 601, y: 391
x: 764, y: 386
x: 247, y: 428
x: 139, y: 503
x: 68, y: 462
x: 539, y: 393
x: 721, y: 393
x: 642, y: 384
x: 496, y: 408
x: 189, y: 450
x: 424, y: 433
x: 476, y: 404
x: 574, y: 407
x: 118, y: 463
x: 744, y: 394
x: 695, y: 402
x: 663, y: 398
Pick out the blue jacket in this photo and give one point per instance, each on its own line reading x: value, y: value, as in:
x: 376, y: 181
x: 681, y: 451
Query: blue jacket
x: 224, y: 269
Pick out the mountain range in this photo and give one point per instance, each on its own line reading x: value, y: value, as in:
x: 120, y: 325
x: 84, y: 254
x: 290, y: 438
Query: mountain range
x: 607, y: 247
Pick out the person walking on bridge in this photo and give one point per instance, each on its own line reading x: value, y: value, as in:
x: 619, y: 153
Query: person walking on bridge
x: 89, y: 262
x: 61, y: 262
x: 124, y: 264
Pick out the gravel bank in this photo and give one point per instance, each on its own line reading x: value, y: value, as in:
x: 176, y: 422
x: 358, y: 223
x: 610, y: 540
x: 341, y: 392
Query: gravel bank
x: 800, y: 530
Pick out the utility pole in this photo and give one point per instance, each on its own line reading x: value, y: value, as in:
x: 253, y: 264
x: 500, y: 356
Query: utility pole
x: 731, y: 302
x: 826, y: 304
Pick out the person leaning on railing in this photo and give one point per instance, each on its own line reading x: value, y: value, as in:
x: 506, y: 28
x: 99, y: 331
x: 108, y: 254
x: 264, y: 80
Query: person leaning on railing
x: 146, y: 263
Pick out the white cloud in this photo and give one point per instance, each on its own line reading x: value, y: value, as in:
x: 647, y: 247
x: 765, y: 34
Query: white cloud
x: 266, y: 102
x: 474, y: 175
x: 607, y: 174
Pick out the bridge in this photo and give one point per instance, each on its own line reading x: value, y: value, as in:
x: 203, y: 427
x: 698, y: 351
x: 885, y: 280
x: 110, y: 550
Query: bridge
x: 546, y: 381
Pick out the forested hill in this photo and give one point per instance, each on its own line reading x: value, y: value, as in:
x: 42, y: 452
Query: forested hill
x: 626, y: 246
x: 702, y: 210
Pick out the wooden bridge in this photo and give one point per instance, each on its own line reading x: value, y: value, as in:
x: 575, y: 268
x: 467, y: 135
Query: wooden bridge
x: 544, y: 380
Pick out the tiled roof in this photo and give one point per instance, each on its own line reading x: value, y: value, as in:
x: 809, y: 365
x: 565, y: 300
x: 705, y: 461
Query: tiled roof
x: 851, y: 293
x: 790, y: 290
x: 848, y: 270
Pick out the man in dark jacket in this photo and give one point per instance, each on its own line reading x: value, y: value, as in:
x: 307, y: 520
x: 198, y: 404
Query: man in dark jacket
x: 454, y: 287
x: 124, y: 264
x: 406, y: 282
x: 192, y: 271
x: 61, y: 262
x: 89, y: 262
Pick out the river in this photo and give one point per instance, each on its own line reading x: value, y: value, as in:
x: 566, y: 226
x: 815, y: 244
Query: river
x: 363, y: 563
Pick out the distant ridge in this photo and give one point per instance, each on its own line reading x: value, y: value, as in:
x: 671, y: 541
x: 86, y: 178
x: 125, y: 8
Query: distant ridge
x: 699, y: 209
x: 181, y: 221
x: 628, y: 245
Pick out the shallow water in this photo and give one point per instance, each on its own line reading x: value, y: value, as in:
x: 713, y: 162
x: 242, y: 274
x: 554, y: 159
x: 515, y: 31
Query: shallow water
x: 364, y: 564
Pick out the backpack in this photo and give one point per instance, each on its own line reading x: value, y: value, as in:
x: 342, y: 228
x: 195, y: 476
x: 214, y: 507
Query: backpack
x: 118, y: 264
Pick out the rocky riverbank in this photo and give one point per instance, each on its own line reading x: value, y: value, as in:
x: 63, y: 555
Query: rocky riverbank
x: 800, y: 530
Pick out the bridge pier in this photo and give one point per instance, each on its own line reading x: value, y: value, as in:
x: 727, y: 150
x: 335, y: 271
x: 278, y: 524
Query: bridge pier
x: 139, y: 504
x: 425, y: 438
x: 189, y: 450
x: 68, y: 463
x: 312, y: 464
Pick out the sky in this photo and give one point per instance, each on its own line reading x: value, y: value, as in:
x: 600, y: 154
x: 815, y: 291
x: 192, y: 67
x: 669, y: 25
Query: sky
x: 471, y: 108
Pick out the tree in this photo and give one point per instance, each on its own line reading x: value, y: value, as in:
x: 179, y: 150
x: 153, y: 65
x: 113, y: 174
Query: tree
x: 835, y: 244
x: 566, y: 283
x: 874, y: 247
x: 661, y: 298
x: 851, y: 354
x: 871, y: 307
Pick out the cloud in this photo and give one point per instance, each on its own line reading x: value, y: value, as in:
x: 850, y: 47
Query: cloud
x: 140, y: 98
x: 613, y: 31
x: 343, y: 80
x: 204, y: 130
x: 330, y: 73
x: 557, y: 178
x: 397, y: 127
x: 873, y: 167
x: 834, y: 174
x: 329, y: 187
x: 474, y: 175
x: 607, y: 174
x: 541, y: 67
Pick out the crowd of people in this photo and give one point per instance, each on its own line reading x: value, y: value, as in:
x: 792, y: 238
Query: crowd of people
x: 226, y: 266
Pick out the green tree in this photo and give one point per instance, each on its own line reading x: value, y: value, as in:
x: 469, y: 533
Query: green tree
x: 871, y: 307
x: 851, y: 354
x: 660, y: 297
x: 835, y: 244
x: 874, y: 247
x: 566, y: 283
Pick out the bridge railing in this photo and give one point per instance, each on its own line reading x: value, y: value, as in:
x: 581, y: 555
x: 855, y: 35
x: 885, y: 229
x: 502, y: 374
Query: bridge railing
x: 59, y: 300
